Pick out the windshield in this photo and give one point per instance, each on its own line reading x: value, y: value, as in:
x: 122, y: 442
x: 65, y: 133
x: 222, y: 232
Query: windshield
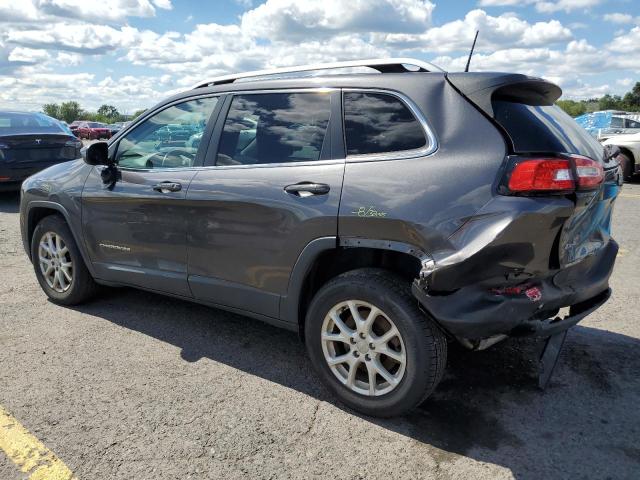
x: 96, y: 125
x: 15, y: 123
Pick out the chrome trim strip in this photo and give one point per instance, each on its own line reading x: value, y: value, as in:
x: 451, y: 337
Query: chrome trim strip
x: 372, y: 63
x: 432, y: 141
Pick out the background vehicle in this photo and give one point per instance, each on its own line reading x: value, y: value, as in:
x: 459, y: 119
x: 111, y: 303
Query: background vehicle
x: 74, y: 126
x: 115, y: 127
x: 629, y: 157
x: 606, y: 123
x: 30, y: 142
x: 92, y: 130
x: 378, y: 222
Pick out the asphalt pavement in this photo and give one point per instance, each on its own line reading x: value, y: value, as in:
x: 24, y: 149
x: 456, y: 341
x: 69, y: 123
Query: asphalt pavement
x: 138, y: 386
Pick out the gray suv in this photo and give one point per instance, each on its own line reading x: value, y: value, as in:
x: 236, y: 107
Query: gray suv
x: 382, y: 215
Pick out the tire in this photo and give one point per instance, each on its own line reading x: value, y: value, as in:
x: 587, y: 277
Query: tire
x: 81, y: 286
x: 420, y: 339
x: 627, y: 166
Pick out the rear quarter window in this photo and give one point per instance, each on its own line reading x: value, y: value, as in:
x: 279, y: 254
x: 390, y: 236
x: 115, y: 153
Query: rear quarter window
x: 376, y: 123
x: 544, y: 129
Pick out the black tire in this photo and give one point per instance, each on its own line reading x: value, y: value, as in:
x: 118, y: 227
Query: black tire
x: 82, y: 286
x: 627, y: 166
x: 424, y: 343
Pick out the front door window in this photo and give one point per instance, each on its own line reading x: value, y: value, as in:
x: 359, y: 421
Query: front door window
x: 168, y: 139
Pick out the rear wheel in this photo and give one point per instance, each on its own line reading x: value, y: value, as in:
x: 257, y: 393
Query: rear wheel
x: 627, y: 166
x: 371, y: 345
x: 58, y: 265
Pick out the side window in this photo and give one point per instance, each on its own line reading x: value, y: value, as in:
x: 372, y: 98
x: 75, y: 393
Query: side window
x: 617, y: 122
x: 379, y: 123
x: 168, y: 139
x: 274, y: 128
x: 632, y: 123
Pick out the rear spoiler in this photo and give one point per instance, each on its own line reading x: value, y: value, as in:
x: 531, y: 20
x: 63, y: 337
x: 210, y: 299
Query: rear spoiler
x: 483, y: 87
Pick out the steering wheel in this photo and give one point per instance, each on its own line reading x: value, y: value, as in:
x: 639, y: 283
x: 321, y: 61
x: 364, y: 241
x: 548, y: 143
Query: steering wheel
x: 175, y: 152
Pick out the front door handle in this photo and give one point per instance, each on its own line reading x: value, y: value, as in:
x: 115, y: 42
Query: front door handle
x: 306, y: 189
x: 166, y: 187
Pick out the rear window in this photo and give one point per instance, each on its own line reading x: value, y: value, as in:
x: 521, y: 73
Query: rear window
x: 544, y: 129
x: 379, y: 123
x: 24, y: 123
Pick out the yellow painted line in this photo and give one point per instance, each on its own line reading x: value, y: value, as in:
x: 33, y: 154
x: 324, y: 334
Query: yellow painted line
x: 629, y: 195
x: 28, y: 453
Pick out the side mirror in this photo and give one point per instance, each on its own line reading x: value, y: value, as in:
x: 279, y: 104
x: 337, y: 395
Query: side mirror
x: 96, y: 154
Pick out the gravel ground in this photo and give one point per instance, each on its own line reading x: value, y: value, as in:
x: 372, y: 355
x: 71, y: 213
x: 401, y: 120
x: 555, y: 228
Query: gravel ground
x: 138, y: 386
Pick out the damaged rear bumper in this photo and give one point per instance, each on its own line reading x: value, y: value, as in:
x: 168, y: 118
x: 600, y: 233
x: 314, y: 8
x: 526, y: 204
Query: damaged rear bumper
x: 478, y: 312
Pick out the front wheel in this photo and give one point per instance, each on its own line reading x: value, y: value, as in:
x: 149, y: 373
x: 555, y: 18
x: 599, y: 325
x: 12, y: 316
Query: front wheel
x: 58, y: 264
x: 371, y: 345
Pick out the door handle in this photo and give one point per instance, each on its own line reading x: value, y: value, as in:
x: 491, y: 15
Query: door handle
x: 166, y: 187
x: 306, y: 189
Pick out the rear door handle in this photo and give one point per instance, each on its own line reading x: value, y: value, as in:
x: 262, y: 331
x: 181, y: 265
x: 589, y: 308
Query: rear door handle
x: 166, y: 187
x: 306, y: 189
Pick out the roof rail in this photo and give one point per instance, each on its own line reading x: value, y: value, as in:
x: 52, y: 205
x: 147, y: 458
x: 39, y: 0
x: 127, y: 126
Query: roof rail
x: 383, y: 65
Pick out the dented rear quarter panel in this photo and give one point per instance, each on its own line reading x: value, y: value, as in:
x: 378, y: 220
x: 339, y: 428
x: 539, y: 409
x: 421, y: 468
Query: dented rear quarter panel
x: 426, y: 199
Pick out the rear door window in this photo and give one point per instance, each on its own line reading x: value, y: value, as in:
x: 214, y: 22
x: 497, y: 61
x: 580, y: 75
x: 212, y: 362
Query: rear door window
x: 377, y: 123
x: 274, y: 128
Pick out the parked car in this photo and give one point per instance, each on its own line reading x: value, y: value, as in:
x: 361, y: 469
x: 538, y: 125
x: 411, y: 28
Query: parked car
x: 93, y: 130
x: 629, y: 156
x: 606, y: 123
x: 73, y: 126
x: 30, y: 142
x: 115, y: 127
x: 379, y: 222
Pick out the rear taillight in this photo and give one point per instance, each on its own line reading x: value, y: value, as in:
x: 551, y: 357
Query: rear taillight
x: 552, y: 175
x: 589, y: 172
x: 541, y: 175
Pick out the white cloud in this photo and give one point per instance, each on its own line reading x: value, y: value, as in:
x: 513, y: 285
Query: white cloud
x: 566, y: 5
x: 624, y: 82
x: 28, y: 55
x: 104, y: 11
x: 626, y: 42
x: 544, y: 6
x: 618, y: 18
x: 294, y: 20
x: 84, y: 38
x: 579, y: 57
x: 163, y: 4
x: 501, y: 3
x: 40, y: 39
x: 503, y: 31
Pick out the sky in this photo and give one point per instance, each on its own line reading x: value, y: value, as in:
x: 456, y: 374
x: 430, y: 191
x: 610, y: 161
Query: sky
x: 133, y: 53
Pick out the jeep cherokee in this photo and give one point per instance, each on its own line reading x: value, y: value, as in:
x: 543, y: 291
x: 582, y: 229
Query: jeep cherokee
x: 380, y: 214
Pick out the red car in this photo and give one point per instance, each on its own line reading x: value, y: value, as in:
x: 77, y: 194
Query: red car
x: 92, y: 130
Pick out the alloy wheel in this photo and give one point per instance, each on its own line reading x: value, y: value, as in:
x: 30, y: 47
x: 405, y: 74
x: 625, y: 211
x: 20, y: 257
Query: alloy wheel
x: 363, y: 348
x: 55, y: 262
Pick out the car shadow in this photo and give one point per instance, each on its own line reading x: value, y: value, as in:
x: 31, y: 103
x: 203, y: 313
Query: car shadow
x: 487, y: 407
x: 9, y: 202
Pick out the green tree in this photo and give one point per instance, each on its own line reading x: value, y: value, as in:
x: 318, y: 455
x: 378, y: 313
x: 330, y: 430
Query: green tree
x: 51, y: 109
x: 109, y: 113
x: 632, y: 98
x: 572, y: 107
x: 610, y: 102
x: 137, y: 113
x: 70, y: 111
